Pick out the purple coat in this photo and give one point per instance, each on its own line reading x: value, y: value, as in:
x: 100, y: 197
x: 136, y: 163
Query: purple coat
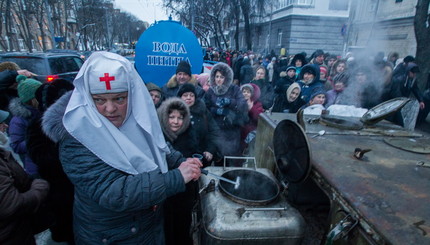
x: 22, y: 115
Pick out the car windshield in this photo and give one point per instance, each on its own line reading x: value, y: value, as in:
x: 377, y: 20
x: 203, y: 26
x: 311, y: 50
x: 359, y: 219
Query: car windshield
x: 32, y: 64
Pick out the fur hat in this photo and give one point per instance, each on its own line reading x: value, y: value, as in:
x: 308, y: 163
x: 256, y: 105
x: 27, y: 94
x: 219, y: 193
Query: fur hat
x: 173, y: 103
x: 183, y: 66
x: 27, y: 88
x: 48, y: 93
x: 8, y: 65
x: 153, y: 86
x: 227, y: 72
x: 187, y: 87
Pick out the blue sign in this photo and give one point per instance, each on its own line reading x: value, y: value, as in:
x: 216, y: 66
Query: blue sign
x: 161, y: 47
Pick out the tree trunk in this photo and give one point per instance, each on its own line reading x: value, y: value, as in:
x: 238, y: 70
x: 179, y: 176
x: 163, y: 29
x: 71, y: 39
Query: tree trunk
x: 245, y: 6
x: 422, y: 34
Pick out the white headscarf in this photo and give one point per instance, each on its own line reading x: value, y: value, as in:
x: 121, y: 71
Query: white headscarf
x: 138, y: 145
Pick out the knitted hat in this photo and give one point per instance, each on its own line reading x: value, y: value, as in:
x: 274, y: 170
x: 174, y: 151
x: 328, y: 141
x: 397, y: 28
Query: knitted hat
x: 48, y: 93
x: 291, y: 68
x: 153, y: 86
x: 183, y: 66
x: 316, y: 91
x: 341, y: 78
x: 27, y: 88
x: 323, y: 69
x: 187, y: 87
x: 3, y: 115
x: 247, y: 86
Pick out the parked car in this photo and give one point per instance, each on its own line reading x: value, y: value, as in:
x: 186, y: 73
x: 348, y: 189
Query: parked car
x: 48, y: 66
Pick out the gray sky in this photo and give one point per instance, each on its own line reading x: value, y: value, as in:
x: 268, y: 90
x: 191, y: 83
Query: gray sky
x: 146, y: 10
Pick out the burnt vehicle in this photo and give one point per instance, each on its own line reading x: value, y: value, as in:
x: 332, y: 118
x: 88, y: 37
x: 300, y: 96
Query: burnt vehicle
x: 339, y: 181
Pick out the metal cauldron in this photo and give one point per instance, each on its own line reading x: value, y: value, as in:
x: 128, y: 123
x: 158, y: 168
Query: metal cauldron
x: 254, y: 187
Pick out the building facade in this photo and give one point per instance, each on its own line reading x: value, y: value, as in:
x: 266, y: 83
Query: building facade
x: 294, y: 26
x: 383, y: 26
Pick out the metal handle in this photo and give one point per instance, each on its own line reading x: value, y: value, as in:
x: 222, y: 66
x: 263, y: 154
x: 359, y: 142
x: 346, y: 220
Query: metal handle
x: 241, y: 211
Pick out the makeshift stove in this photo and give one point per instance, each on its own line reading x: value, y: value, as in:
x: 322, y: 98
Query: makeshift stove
x: 256, y: 211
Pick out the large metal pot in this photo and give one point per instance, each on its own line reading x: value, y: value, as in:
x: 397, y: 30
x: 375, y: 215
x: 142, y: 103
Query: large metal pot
x: 254, y: 187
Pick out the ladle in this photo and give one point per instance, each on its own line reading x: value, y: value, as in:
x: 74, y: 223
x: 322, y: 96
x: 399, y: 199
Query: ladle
x: 235, y: 183
x: 320, y: 133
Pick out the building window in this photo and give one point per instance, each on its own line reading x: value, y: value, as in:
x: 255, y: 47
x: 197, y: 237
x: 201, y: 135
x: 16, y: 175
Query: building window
x: 6, y: 38
x: 21, y: 44
x: 338, y: 5
x: 287, y: 3
x: 279, y: 37
x: 399, y: 1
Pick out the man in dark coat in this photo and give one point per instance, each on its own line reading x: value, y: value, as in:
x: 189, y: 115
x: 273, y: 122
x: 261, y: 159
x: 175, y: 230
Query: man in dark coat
x: 183, y: 75
x: 207, y: 131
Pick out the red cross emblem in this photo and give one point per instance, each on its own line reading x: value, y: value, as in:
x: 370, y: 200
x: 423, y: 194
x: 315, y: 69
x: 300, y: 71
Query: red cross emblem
x: 107, y: 80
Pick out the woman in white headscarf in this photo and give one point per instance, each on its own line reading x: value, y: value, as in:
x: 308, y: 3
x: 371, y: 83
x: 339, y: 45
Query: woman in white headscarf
x: 113, y: 151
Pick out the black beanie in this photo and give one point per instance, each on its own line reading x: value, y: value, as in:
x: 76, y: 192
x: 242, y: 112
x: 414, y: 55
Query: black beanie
x: 187, y: 87
x: 183, y: 66
x: 408, y: 59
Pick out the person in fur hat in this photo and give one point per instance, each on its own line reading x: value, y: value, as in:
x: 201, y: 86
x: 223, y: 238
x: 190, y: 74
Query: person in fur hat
x: 24, y: 109
x: 183, y: 75
x: 207, y: 131
x: 44, y: 153
x: 226, y: 103
x: 175, y: 121
x: 113, y: 151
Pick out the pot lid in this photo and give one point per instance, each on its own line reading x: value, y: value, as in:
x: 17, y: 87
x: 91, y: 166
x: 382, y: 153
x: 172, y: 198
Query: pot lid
x: 291, y: 150
x: 416, y: 145
x: 383, y: 110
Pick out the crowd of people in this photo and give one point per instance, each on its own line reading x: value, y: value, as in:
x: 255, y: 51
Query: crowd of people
x: 112, y: 159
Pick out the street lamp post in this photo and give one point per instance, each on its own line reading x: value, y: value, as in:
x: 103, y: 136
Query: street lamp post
x: 80, y: 30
